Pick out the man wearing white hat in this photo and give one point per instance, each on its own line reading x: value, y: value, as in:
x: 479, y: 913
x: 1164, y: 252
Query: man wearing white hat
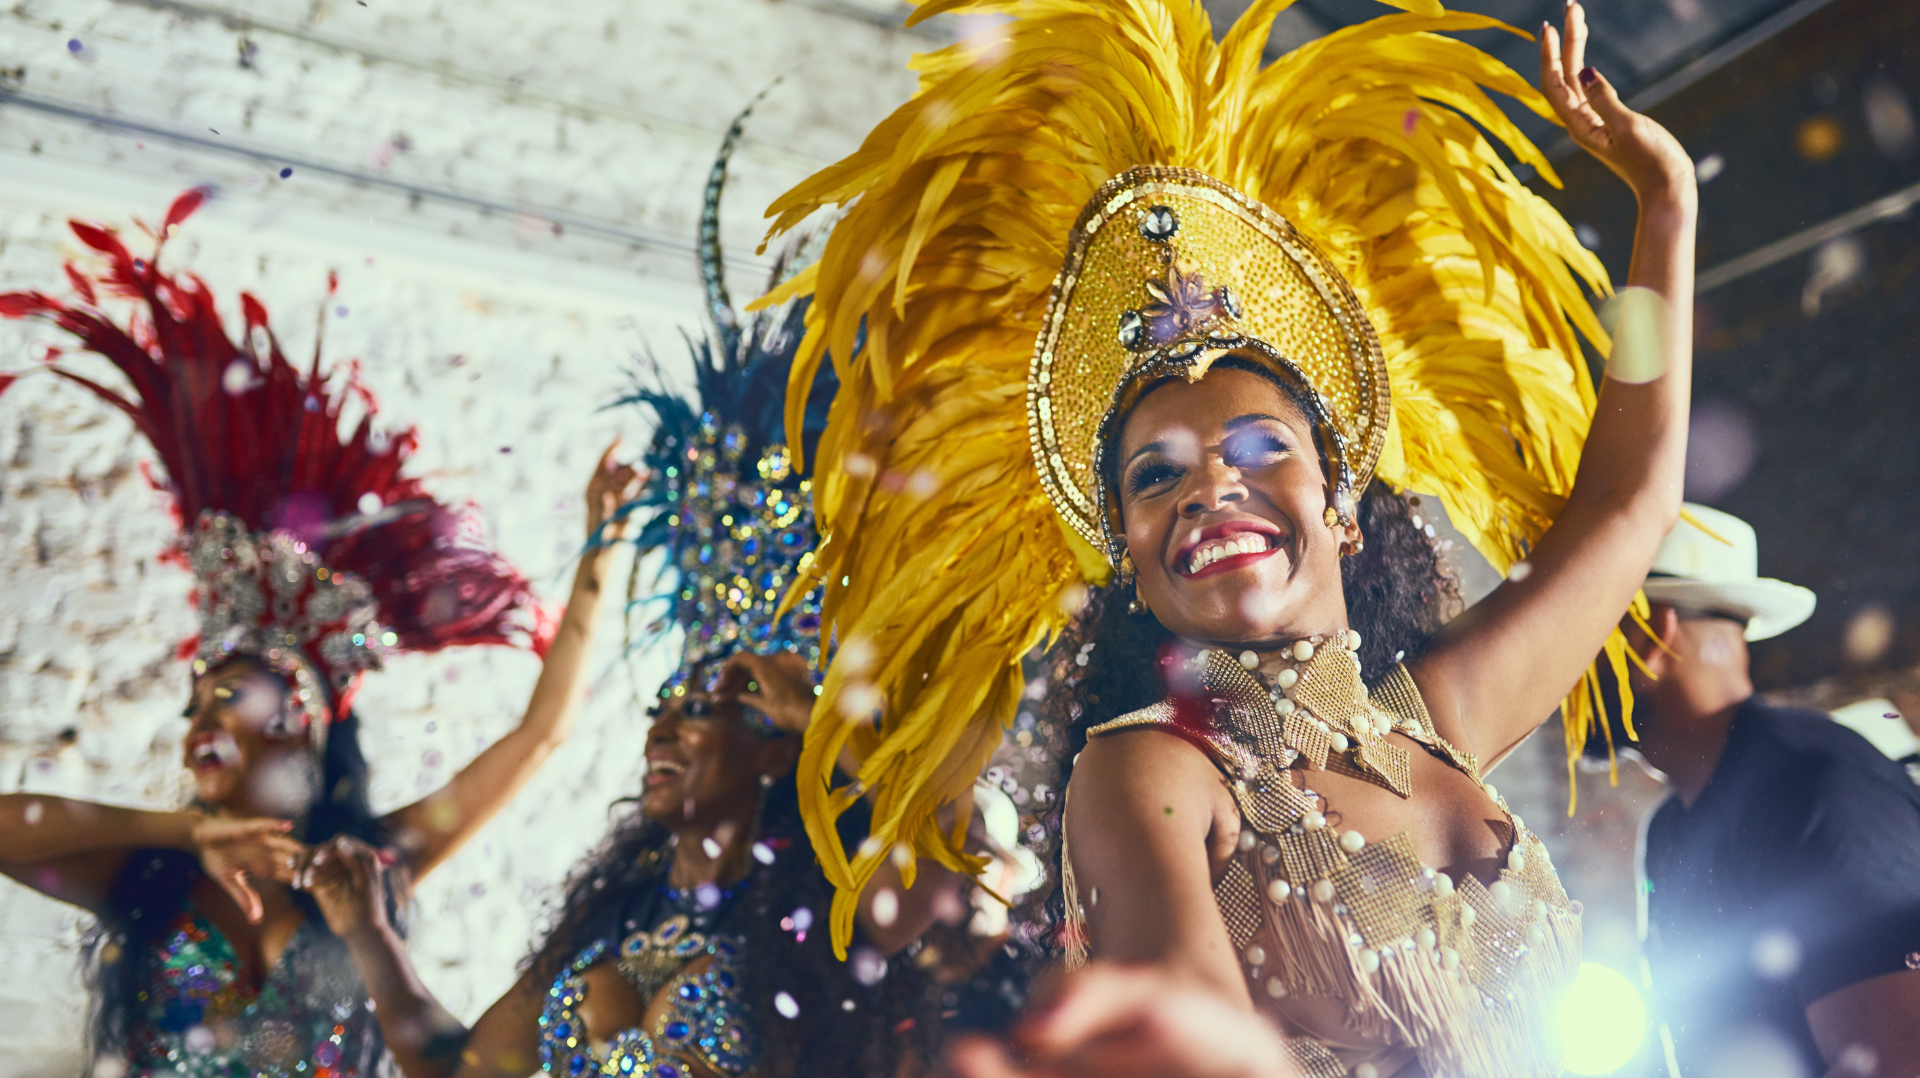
x: 1782, y: 874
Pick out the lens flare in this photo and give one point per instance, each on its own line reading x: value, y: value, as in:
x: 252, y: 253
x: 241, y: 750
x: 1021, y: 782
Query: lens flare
x: 1601, y: 1021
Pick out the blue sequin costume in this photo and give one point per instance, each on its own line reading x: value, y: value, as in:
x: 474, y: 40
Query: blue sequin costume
x: 706, y: 1028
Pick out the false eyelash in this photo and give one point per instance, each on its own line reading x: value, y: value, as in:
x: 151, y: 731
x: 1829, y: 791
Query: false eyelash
x: 1150, y: 474
x: 1267, y: 441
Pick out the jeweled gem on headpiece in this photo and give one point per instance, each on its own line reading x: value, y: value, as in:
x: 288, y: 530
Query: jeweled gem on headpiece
x: 1159, y: 224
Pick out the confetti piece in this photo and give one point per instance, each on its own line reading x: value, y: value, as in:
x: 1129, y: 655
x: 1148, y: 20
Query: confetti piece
x: 237, y: 378
x: 285, y: 172
x: 785, y: 1005
x: 868, y: 967
x: 1410, y: 121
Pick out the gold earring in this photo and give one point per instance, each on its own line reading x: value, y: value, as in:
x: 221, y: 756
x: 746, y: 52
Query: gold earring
x: 1332, y: 517
x: 1131, y: 579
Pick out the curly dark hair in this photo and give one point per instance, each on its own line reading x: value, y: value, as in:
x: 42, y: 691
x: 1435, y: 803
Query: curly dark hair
x: 1398, y: 589
x: 153, y: 887
x: 890, y: 1025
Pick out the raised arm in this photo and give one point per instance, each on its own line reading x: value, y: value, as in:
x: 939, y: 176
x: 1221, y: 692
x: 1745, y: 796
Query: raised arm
x: 1498, y: 671
x: 436, y: 825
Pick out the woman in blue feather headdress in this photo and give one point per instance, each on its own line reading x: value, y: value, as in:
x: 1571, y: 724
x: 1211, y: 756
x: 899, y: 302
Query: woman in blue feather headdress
x: 693, y: 943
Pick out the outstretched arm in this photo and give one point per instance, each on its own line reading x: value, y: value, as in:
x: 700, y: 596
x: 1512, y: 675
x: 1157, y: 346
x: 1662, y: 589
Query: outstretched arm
x: 1497, y: 671
x: 436, y: 825
x: 72, y: 850
x: 1146, y: 820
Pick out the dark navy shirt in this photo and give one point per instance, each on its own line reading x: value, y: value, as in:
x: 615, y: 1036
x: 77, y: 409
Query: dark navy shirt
x: 1796, y: 873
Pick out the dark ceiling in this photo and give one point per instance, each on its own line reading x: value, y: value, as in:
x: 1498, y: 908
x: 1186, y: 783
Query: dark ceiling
x: 1639, y: 44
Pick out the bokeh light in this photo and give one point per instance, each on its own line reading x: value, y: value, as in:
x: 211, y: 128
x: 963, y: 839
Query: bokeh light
x: 1818, y: 138
x: 1722, y: 447
x: 1601, y: 1021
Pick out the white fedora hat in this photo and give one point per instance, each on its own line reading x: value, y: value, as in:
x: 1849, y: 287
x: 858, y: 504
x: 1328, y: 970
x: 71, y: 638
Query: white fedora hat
x: 1719, y: 573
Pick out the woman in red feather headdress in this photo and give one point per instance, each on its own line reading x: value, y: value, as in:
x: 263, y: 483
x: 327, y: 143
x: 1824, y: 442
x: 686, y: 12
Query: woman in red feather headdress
x: 313, y: 557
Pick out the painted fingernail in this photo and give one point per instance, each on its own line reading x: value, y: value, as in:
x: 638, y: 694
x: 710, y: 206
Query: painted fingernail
x: 1588, y: 76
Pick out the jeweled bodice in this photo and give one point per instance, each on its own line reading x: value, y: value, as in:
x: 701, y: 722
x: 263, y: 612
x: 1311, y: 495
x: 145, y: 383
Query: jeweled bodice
x: 1371, y: 961
x: 706, y: 1027
x: 200, y: 1019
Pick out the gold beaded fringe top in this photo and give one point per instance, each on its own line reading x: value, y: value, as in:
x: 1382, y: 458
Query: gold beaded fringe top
x: 1453, y: 977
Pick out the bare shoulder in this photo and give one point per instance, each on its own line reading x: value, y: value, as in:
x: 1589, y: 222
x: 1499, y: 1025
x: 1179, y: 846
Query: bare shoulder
x: 1148, y: 816
x: 1142, y: 774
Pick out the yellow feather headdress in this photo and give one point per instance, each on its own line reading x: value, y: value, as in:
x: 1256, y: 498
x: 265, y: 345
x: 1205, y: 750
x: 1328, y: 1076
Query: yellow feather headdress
x: 944, y: 559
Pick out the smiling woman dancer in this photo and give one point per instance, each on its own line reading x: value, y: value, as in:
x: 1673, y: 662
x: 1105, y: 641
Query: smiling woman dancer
x: 1292, y: 292
x: 313, y: 557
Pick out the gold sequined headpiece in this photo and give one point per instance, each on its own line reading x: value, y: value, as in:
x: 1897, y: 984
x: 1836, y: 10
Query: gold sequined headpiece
x: 1168, y: 270
x: 1100, y: 174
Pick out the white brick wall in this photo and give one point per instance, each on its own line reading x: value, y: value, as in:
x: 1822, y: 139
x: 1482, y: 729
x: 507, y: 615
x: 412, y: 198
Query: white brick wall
x: 496, y: 335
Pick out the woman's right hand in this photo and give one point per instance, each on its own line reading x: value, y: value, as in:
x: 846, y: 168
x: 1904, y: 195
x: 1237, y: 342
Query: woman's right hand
x: 237, y: 852
x: 1634, y: 146
x: 346, y: 877
x: 1115, y: 1021
x: 612, y: 486
x: 780, y: 685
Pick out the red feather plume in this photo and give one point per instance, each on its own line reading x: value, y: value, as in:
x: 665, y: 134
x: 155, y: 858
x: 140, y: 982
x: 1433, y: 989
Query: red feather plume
x: 240, y: 430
